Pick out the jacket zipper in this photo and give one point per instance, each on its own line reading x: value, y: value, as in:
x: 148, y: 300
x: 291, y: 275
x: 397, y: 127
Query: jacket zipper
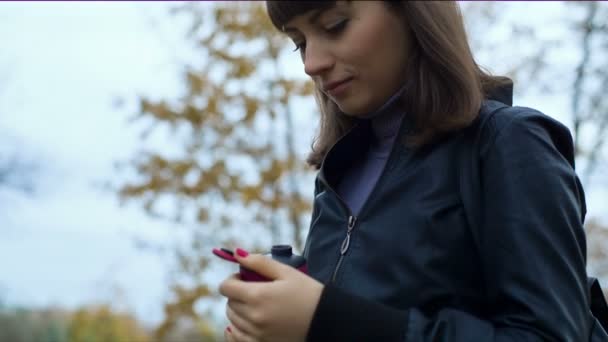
x: 352, y: 220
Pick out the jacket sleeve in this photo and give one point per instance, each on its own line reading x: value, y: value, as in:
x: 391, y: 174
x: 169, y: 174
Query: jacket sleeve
x: 531, y: 244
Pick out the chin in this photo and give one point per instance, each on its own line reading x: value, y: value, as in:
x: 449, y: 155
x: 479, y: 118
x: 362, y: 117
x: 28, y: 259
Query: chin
x: 354, y: 110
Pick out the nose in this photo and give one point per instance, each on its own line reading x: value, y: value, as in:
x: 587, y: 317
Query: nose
x: 317, y: 59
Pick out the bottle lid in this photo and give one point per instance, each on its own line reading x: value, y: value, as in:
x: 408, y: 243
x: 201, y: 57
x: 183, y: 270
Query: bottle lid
x: 281, y: 250
x: 284, y: 254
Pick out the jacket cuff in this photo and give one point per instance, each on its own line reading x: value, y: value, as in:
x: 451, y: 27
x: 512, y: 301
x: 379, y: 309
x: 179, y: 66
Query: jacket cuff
x: 341, y: 316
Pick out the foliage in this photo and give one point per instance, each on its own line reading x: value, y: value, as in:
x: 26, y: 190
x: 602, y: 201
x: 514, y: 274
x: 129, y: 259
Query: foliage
x: 21, y: 325
x: 87, y: 324
x: 233, y: 170
x: 102, y: 324
x: 181, y: 322
x: 230, y: 150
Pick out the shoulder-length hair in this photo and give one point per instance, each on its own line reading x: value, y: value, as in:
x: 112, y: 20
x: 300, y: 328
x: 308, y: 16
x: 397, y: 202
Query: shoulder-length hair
x: 444, y: 86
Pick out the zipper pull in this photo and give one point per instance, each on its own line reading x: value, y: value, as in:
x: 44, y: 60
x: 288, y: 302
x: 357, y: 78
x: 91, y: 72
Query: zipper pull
x: 346, y: 243
x: 351, y: 223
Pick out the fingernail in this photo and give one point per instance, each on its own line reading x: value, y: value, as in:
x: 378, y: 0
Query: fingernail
x: 241, y: 252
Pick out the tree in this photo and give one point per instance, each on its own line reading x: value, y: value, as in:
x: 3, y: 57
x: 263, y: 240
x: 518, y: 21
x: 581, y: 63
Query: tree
x: 234, y: 170
x: 87, y: 324
x: 17, y: 173
x: 596, y: 248
x: 231, y: 169
x: 102, y: 324
x: 17, y: 170
x: 589, y: 103
x: 27, y: 325
x: 572, y: 65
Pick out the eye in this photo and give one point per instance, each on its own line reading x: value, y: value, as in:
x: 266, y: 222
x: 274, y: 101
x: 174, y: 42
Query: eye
x: 333, y: 30
x: 338, y: 27
x: 299, y: 46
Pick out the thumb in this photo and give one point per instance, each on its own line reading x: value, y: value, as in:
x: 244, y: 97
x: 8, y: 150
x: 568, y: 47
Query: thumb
x: 262, y: 265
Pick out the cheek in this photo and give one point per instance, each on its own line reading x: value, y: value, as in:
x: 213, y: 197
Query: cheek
x: 388, y: 69
x: 363, y: 51
x: 376, y: 51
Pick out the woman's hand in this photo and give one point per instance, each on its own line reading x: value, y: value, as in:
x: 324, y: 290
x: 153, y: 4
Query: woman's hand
x: 277, y: 310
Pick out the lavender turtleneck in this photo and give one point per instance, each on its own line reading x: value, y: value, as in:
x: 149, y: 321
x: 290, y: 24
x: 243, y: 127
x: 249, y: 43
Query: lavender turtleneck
x: 359, y: 180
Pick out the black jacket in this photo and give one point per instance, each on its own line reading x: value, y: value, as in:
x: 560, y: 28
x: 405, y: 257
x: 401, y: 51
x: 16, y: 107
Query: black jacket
x: 410, y: 270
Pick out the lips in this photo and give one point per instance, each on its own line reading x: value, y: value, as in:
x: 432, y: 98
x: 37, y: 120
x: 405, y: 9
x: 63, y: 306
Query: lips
x: 338, y: 88
x: 335, y: 84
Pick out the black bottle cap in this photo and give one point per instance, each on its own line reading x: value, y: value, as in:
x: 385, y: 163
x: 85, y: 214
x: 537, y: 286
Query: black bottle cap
x: 284, y: 254
x: 281, y: 250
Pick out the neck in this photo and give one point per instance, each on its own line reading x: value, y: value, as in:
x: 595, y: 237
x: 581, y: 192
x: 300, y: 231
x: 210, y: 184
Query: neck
x: 385, y: 121
x: 386, y: 106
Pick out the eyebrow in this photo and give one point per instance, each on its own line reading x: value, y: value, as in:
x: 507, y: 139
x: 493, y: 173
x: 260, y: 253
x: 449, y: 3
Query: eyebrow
x: 312, y: 19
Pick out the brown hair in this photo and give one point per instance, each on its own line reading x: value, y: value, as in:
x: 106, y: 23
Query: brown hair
x: 444, y: 85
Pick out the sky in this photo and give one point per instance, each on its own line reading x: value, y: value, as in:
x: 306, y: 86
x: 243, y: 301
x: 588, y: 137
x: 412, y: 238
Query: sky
x: 64, y: 68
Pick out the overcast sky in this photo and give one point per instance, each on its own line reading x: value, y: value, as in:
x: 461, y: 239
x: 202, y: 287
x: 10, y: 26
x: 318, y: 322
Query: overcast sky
x: 62, y: 68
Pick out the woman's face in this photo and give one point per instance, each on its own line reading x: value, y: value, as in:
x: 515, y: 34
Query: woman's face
x: 355, y: 52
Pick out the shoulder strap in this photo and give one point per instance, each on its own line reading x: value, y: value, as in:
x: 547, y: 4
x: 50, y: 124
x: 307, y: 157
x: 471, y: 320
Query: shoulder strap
x: 470, y: 194
x: 469, y: 168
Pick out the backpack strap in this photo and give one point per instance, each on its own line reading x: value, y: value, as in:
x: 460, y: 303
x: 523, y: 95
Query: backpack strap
x: 469, y: 168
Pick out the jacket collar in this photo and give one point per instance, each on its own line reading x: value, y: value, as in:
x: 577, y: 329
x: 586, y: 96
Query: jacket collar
x: 357, y: 139
x: 350, y: 145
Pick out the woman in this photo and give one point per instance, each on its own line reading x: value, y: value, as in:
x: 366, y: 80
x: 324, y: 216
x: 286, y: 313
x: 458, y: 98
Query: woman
x: 390, y: 253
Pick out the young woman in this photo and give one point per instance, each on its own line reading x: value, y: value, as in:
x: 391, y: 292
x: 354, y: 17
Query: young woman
x: 391, y: 254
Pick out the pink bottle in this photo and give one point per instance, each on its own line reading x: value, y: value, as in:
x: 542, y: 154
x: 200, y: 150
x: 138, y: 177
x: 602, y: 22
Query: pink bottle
x: 280, y: 253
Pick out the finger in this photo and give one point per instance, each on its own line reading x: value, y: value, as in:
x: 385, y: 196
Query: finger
x: 234, y: 288
x: 240, y: 308
x: 262, y: 265
x: 228, y: 337
x: 240, y: 321
x: 239, y: 335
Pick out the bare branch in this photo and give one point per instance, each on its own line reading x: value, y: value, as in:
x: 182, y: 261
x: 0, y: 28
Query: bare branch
x: 580, y: 73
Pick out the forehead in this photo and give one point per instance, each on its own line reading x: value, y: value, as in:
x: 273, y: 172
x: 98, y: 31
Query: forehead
x: 290, y: 13
x: 311, y: 17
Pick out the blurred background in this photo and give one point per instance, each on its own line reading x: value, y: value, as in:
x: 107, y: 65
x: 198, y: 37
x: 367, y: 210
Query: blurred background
x: 137, y: 136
